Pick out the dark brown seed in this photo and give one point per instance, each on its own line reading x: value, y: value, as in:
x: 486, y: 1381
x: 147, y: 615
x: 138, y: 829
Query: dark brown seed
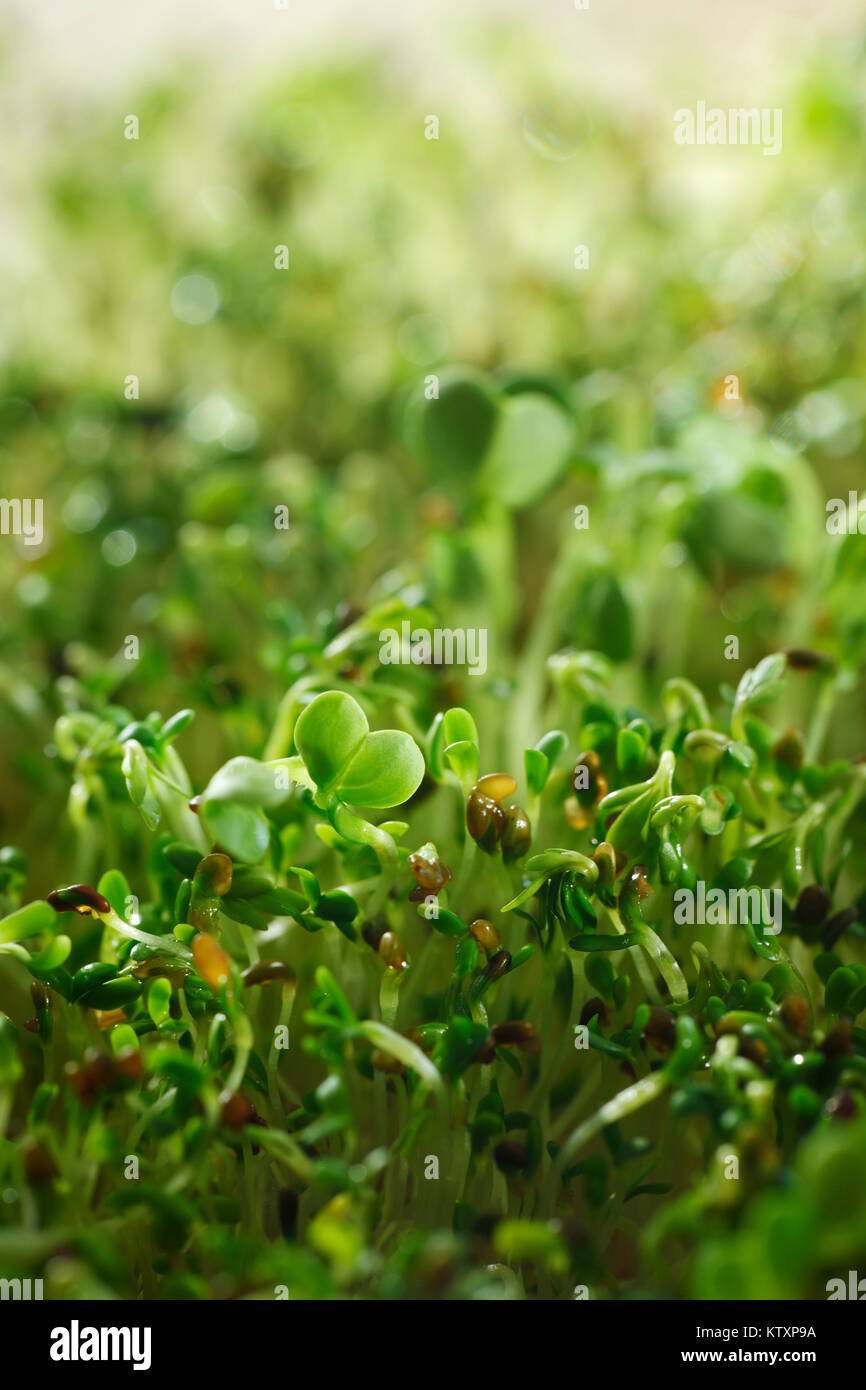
x: 795, y: 1015
x: 838, y: 1040
x: 214, y: 873
x: 511, y: 1156
x: 497, y: 965
x: 486, y: 1052
x: 635, y: 886
x: 40, y: 996
x: 661, y: 1028
x: 38, y: 1165
x: 837, y: 926
x: 496, y: 785
x: 789, y: 749
x: 266, y: 972
x: 841, y: 1105
x: 803, y: 659
x: 586, y: 778
x: 430, y: 875
x: 516, y: 834
x: 485, y: 821
x: 605, y: 858
x: 237, y: 1112
x: 512, y: 1033
x: 392, y: 951
x: 573, y: 1232
x: 99, y: 1073
x: 755, y: 1050
x: 373, y: 932
x: 485, y: 934
x: 383, y: 1061
x: 813, y: 905
x: 483, y: 1226
x: 129, y: 1064
x: 79, y: 897
x: 594, y: 1008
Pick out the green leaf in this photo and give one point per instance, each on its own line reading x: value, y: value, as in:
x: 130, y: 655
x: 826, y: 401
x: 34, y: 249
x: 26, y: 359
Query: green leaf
x: 552, y: 745
x: 435, y: 746
x: 600, y: 974
x: 839, y: 988
x: 455, y: 430
x: 281, y: 902
x: 114, y: 994
x: 466, y: 957
x: 114, y: 887
x: 36, y: 917
x: 136, y: 771
x: 757, y: 687
x: 537, y: 768
x: 176, y: 725
x: 240, y: 831
x: 530, y: 450
x: 458, y: 726
x: 630, y: 754
x: 159, y: 999
x: 458, y: 1045
x: 239, y: 910
x: 53, y: 956
x: 329, y: 733
x: 386, y: 771
x: 719, y: 808
x: 462, y: 758
x: 606, y: 612
x: 448, y: 923
x: 247, y: 782
x: 733, y: 534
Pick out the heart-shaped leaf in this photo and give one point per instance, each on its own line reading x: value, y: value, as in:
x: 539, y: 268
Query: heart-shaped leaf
x: 530, y: 450
x: 328, y: 734
x: 455, y: 429
x: 386, y: 770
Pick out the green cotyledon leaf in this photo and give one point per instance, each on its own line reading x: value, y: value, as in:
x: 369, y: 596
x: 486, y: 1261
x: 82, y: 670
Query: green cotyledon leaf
x: 328, y: 734
x: 385, y: 771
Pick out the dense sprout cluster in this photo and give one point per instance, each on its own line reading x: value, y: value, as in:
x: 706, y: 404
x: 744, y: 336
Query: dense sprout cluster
x: 317, y: 1056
